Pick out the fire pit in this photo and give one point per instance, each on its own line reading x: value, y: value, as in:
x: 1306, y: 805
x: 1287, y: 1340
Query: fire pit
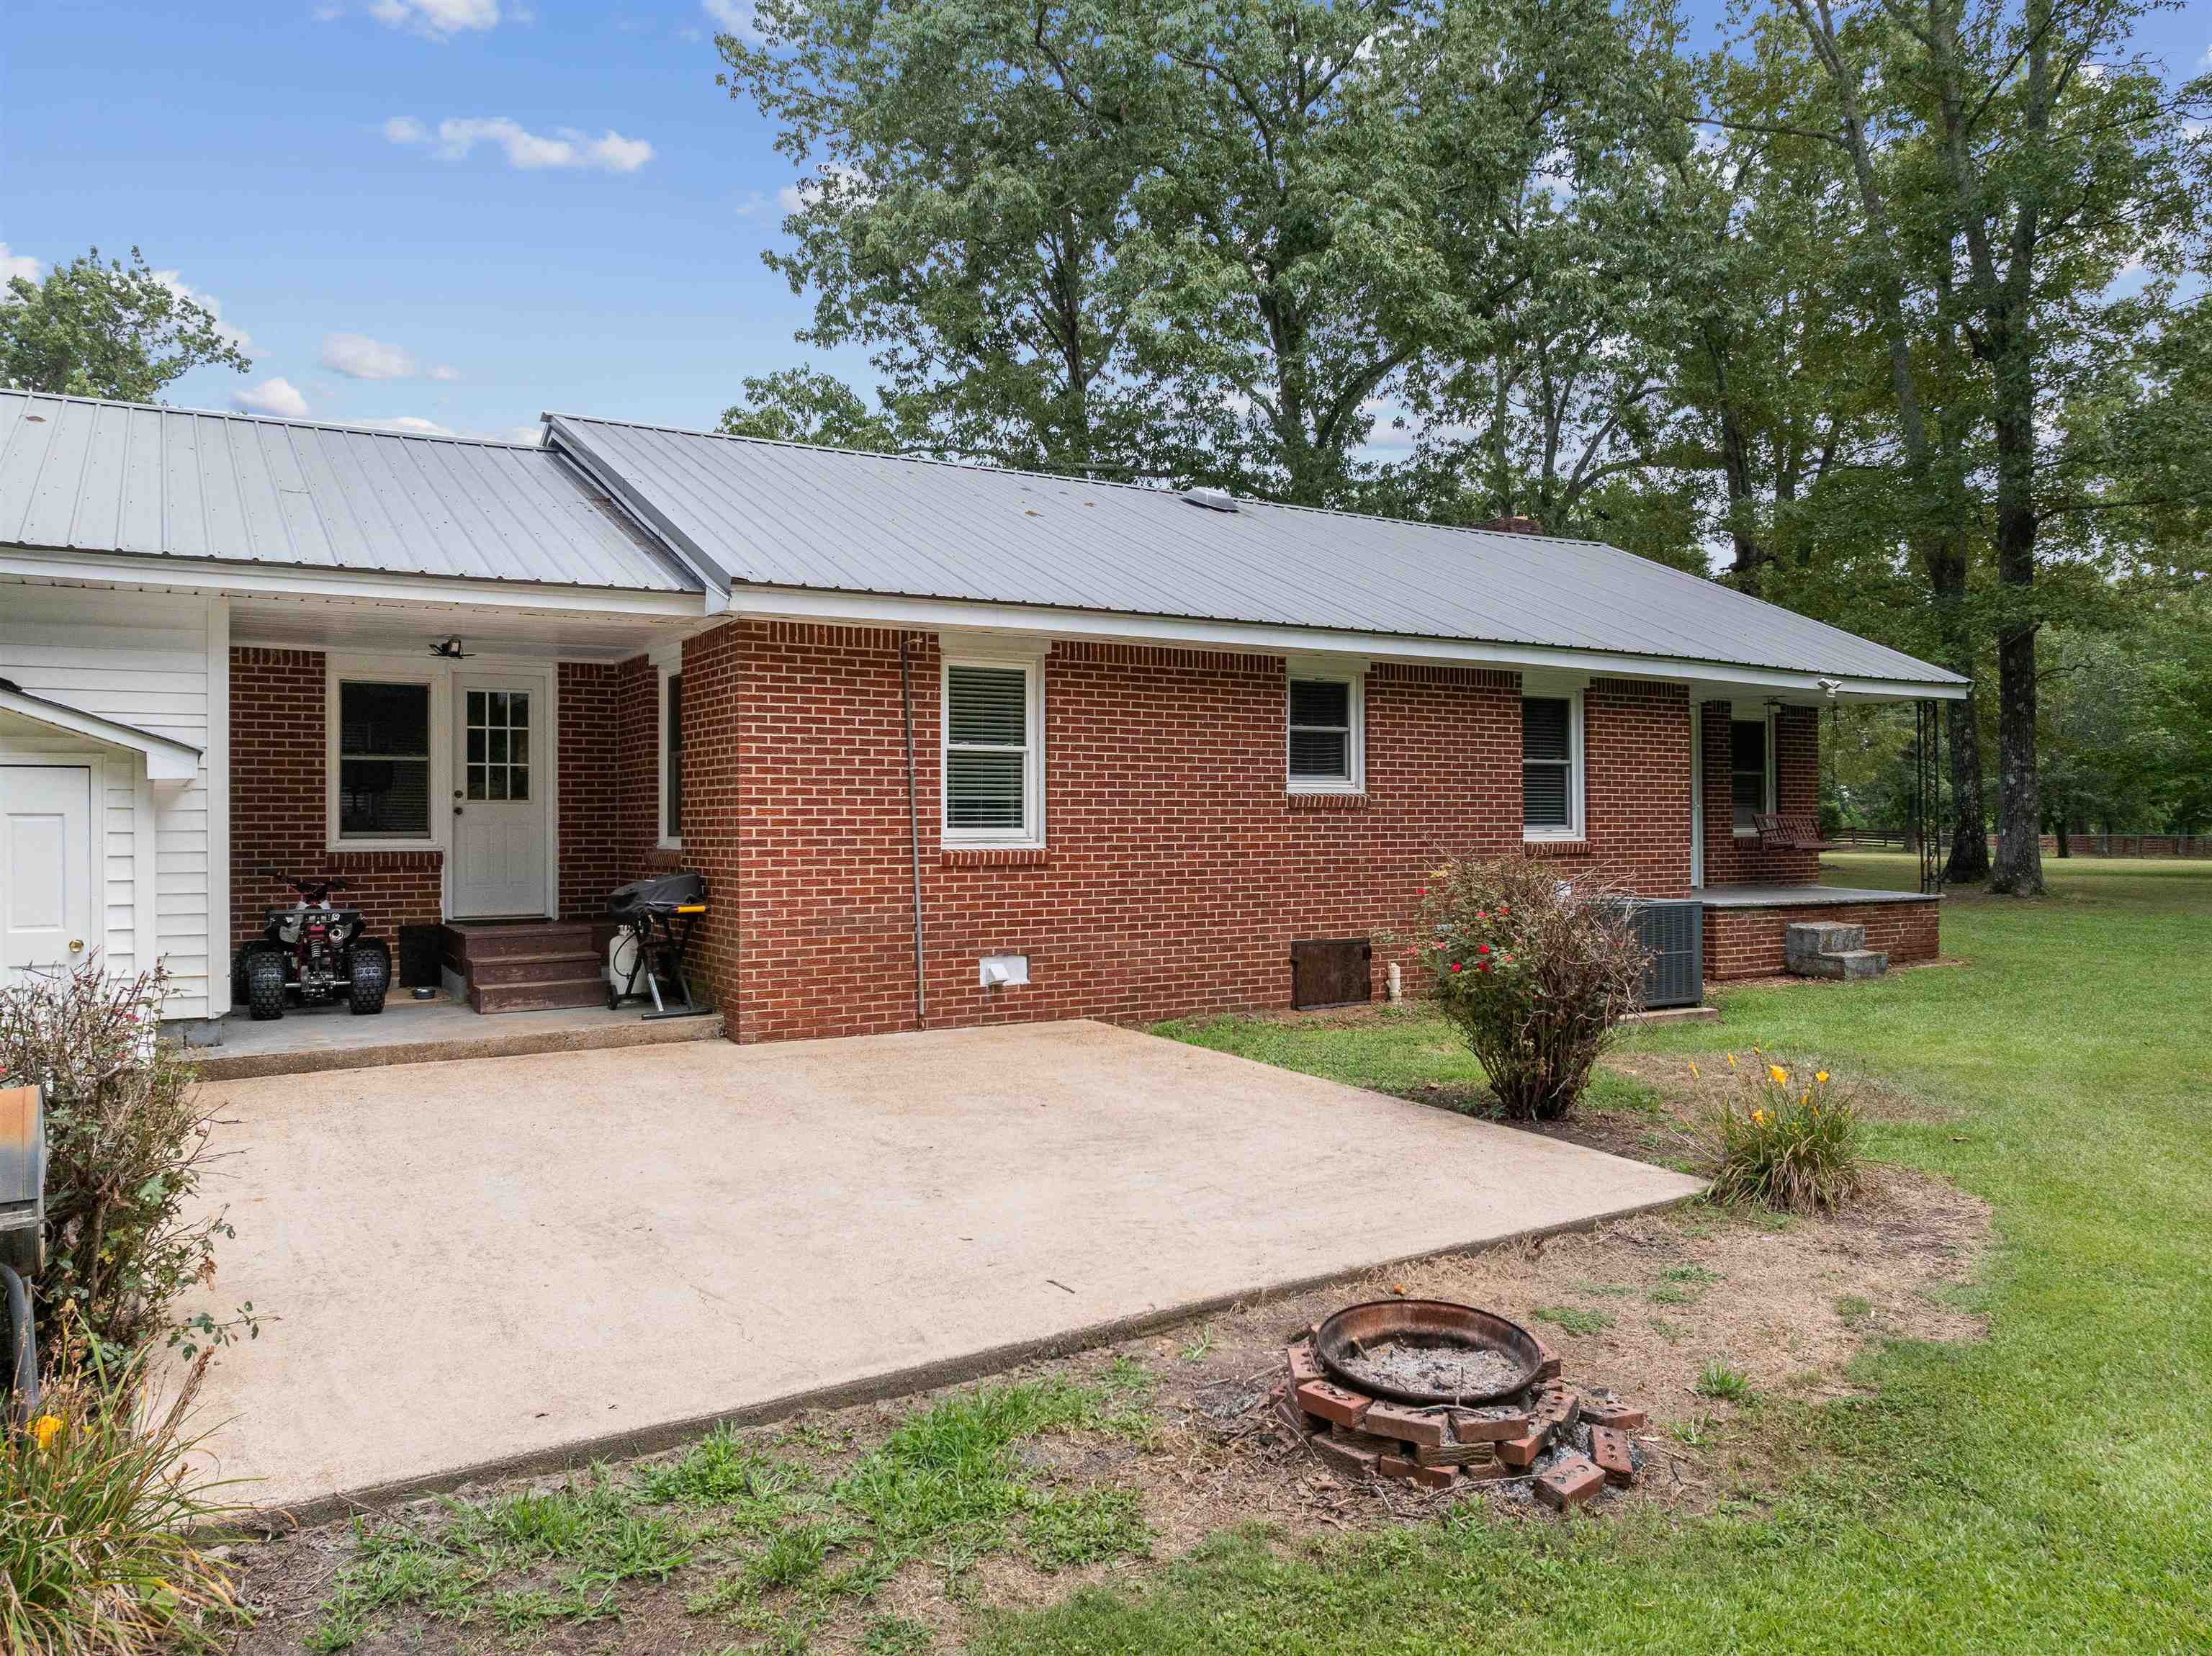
x: 1439, y: 1395
x: 1427, y: 1351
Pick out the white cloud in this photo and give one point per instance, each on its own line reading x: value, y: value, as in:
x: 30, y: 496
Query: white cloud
x: 439, y: 17
x: 752, y: 206
x: 17, y: 264
x: 533, y: 434
x: 176, y: 284
x: 277, y: 397
x: 359, y: 357
x: 566, y: 147
x: 415, y: 424
x: 733, y: 17
x: 795, y: 197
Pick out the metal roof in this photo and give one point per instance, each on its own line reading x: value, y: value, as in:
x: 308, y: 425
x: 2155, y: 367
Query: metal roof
x: 81, y: 475
x: 780, y: 514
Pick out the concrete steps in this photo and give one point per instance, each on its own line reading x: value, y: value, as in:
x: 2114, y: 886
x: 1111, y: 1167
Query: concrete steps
x: 526, y: 965
x: 1825, y: 949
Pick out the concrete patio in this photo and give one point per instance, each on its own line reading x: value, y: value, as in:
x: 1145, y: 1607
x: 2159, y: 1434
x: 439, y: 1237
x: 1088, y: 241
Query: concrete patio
x: 311, y: 1037
x: 519, y: 1261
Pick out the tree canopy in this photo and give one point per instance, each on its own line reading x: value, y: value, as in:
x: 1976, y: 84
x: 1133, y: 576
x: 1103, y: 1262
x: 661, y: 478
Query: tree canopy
x: 101, y: 327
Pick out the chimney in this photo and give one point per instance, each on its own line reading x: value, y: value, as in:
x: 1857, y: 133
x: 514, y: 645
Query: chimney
x: 1512, y: 527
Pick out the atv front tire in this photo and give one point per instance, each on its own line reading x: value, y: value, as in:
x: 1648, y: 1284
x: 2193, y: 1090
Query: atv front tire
x: 264, y: 985
x: 370, y: 974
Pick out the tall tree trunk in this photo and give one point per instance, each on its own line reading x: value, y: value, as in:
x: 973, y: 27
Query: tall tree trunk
x: 2019, y: 867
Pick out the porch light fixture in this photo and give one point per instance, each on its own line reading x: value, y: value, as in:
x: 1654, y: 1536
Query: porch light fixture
x: 450, y: 650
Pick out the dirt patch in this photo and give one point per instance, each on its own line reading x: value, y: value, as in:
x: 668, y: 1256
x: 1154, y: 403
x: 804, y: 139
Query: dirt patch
x: 1643, y: 1306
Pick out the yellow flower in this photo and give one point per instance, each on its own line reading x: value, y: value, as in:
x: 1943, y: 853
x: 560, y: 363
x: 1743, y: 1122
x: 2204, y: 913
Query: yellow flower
x: 1731, y: 1059
x: 1781, y: 1075
x: 1808, y: 1097
x: 1693, y: 1072
x: 1758, y: 1115
x: 44, y: 1429
x: 1821, y: 1074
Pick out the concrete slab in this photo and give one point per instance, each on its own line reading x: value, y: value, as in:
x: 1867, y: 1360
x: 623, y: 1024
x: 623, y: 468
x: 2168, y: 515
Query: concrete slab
x: 312, y: 1038
x: 516, y: 1261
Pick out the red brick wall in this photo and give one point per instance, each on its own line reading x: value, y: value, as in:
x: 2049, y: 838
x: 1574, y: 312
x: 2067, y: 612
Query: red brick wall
x: 1733, y: 861
x: 1747, y: 943
x: 591, y: 862
x: 1177, y: 872
x: 278, y: 811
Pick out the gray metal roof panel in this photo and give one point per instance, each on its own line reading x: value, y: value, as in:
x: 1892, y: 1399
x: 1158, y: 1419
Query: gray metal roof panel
x: 791, y: 515
x: 79, y: 474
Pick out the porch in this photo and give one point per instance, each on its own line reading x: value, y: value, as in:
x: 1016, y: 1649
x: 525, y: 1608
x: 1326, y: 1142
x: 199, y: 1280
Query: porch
x: 307, y: 1040
x: 1747, y: 926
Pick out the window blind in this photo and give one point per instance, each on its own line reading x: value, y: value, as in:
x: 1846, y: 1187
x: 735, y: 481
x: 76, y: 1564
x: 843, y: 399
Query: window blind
x: 987, y: 747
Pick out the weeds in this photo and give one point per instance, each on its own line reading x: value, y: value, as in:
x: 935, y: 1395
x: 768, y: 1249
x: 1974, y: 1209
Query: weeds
x: 1787, y: 1142
x: 1574, y: 1320
x: 1727, y: 1385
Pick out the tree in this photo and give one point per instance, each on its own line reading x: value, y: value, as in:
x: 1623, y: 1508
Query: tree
x: 2009, y: 145
x: 803, y: 405
x: 103, y: 328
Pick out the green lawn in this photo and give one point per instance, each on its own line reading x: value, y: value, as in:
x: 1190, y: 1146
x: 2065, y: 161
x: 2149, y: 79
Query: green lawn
x: 2048, y: 1490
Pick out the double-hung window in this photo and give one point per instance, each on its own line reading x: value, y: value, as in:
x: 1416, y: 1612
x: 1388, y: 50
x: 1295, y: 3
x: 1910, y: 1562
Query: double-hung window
x: 1325, y: 738
x: 1550, y: 767
x: 1751, y: 772
x: 993, y: 753
x: 672, y: 759
x: 383, y: 760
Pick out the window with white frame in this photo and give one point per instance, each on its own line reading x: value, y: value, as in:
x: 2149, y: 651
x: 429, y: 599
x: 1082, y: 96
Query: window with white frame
x: 993, y: 753
x: 1552, y: 767
x: 383, y: 755
x: 1322, y: 742
x: 1751, y: 771
x: 672, y: 759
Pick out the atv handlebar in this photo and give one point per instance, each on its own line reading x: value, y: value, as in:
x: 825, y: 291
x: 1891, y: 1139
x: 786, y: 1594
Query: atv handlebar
x: 312, y: 890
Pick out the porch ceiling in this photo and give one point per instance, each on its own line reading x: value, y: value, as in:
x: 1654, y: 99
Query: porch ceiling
x: 410, y: 628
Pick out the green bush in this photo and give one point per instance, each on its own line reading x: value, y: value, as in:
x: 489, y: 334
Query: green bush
x: 123, y: 1139
x: 1536, y: 972
x: 1790, y: 1142
x: 97, y: 1505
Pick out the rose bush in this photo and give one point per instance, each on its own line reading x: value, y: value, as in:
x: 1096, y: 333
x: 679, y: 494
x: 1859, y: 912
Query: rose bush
x: 1535, y: 972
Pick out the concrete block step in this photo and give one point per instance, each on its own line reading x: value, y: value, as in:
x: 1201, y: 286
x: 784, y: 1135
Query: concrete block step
x: 1845, y: 964
x: 536, y: 997
x: 504, y: 971
x: 1804, y: 940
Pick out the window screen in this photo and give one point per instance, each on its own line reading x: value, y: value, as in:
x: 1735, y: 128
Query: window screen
x: 986, y: 748
x: 1321, y: 731
x: 1547, y: 758
x: 1747, y: 772
x: 671, y: 737
x: 384, y: 761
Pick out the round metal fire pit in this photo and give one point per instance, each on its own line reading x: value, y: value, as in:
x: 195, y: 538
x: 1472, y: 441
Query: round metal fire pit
x: 1436, y: 1335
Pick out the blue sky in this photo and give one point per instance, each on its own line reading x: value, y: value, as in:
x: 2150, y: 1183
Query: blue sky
x: 454, y: 211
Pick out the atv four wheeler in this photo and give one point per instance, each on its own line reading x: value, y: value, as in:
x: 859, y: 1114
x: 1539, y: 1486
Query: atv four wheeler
x: 314, y: 952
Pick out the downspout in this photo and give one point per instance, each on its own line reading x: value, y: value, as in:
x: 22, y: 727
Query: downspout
x: 913, y: 827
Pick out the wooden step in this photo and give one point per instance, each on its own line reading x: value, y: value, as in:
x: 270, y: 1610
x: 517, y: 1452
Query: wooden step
x: 536, y: 997
x: 505, y: 970
x: 465, y: 942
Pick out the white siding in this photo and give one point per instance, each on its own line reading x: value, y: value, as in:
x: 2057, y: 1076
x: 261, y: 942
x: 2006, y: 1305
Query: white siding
x: 142, y: 659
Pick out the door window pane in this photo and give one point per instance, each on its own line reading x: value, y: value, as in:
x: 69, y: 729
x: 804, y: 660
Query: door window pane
x: 498, y: 744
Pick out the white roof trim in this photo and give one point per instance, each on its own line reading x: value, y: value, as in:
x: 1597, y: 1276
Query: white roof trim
x: 799, y: 603
x: 167, y: 759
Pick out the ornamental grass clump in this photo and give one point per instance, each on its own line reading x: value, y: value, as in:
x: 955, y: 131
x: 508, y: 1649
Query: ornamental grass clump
x: 1536, y: 972
x: 1784, y: 1138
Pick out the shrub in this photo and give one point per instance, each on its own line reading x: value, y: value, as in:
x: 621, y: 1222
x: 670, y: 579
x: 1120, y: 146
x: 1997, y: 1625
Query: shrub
x: 123, y: 1140
x: 97, y: 1505
x: 1791, y: 1143
x: 1536, y: 972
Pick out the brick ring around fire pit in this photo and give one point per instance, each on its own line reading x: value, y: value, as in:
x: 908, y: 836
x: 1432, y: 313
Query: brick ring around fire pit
x: 1439, y: 1394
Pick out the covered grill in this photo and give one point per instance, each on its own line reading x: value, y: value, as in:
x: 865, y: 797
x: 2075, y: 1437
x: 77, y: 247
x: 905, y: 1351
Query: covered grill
x: 657, y: 916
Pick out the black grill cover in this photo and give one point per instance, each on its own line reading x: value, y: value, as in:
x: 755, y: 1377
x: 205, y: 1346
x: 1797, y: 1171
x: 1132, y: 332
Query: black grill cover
x: 660, y: 894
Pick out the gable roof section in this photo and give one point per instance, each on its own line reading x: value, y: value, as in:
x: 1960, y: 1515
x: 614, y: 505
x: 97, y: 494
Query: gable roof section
x: 167, y: 759
x: 753, y: 512
x: 85, y: 476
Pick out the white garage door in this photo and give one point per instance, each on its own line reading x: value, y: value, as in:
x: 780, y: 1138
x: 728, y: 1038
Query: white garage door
x: 46, y: 866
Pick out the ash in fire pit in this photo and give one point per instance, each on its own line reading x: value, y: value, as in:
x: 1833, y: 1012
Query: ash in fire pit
x: 1440, y: 1369
x: 1441, y: 1395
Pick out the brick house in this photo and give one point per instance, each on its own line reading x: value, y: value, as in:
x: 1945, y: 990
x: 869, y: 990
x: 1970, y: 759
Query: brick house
x: 907, y: 718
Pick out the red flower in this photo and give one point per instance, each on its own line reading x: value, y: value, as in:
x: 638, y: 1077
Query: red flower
x: 1455, y: 966
x: 1424, y: 891
x: 1482, y: 949
x: 1481, y: 913
x: 1481, y: 966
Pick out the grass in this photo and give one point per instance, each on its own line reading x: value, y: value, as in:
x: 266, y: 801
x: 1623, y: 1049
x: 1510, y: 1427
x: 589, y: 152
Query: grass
x: 946, y: 1486
x: 2071, y: 1060
x: 1723, y: 1384
x: 1573, y: 1319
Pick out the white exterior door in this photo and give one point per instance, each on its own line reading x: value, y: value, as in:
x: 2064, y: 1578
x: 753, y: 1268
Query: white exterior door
x: 500, y: 772
x: 45, y: 867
